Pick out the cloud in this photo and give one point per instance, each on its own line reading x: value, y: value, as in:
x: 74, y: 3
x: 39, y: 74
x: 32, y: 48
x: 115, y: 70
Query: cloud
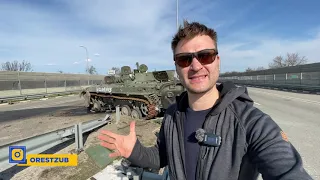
x: 122, y: 32
x: 261, y: 49
x: 51, y: 64
x: 118, y: 33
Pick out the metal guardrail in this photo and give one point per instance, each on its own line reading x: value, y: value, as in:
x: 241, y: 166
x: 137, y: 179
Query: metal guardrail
x: 296, y: 78
x: 277, y: 86
x: 40, y: 143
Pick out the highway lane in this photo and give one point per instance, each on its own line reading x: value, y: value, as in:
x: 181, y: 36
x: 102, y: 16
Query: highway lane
x: 30, y: 118
x: 299, y: 116
x: 26, y: 109
x: 40, y: 103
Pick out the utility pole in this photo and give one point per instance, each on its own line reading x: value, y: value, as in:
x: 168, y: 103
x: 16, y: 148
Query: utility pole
x: 87, y: 56
x: 177, y: 11
x: 177, y: 23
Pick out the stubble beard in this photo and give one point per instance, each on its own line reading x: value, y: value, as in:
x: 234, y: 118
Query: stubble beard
x: 192, y: 88
x: 200, y: 91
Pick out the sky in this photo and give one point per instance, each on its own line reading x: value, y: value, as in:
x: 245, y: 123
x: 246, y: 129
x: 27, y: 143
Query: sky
x: 49, y: 33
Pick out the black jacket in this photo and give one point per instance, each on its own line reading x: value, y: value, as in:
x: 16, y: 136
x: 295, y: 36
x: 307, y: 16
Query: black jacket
x: 251, y: 143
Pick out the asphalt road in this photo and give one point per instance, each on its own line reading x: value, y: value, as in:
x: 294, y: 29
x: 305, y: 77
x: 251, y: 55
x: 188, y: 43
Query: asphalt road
x: 41, y: 103
x: 30, y: 118
x: 299, y: 116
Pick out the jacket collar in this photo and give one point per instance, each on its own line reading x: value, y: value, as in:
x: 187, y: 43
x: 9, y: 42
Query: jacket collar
x: 182, y: 101
x: 223, y: 88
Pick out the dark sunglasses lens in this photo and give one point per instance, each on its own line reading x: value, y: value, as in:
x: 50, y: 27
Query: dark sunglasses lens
x: 183, y: 60
x: 206, y: 57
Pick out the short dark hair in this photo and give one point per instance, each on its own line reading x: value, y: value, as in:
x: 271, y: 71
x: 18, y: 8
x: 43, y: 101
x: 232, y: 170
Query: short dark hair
x: 190, y: 30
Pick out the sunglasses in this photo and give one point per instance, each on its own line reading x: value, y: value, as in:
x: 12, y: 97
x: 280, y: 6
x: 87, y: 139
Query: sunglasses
x: 206, y: 56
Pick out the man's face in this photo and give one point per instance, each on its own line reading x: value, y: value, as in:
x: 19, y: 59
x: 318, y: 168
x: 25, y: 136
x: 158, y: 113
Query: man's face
x: 198, y: 78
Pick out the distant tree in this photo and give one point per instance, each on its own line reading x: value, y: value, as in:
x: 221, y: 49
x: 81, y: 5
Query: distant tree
x: 116, y: 69
x: 60, y: 71
x: 92, y: 70
x: 292, y: 59
x: 230, y: 73
x: 277, y: 62
x: 249, y: 70
x: 16, y: 66
x: 255, y: 69
x: 260, y: 68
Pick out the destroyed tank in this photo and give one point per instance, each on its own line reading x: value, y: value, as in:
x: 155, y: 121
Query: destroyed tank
x: 139, y: 94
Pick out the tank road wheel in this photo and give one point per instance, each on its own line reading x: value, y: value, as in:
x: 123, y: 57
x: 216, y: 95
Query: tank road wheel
x: 136, y: 114
x: 125, y: 110
x: 144, y: 109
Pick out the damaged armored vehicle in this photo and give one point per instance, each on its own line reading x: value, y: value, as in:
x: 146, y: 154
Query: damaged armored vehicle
x: 138, y: 93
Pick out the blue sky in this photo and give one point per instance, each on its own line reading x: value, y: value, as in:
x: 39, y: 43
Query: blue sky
x: 48, y: 33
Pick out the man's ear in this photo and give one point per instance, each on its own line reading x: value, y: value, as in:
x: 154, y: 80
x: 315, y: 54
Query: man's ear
x: 219, y: 62
x: 177, y: 74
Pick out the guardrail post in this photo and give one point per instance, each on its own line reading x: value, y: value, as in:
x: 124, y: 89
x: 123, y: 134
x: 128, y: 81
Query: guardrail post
x: 65, y: 85
x: 117, y: 114
x: 286, y: 78
x: 45, y: 83
x: 78, y: 137
x: 19, y: 83
x: 274, y: 78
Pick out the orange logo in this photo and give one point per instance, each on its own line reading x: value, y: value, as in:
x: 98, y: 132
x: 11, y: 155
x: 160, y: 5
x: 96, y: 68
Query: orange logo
x: 284, y: 136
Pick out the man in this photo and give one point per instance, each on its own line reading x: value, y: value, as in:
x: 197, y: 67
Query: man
x: 251, y: 142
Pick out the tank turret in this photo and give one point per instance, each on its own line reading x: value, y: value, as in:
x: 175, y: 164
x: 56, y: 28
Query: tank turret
x: 125, y: 70
x: 143, y: 68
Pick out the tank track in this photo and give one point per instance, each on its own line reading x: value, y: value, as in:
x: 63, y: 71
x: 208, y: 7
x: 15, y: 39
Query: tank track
x: 152, y: 112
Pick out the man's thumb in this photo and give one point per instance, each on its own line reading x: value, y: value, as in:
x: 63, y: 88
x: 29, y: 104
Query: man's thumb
x: 132, y: 127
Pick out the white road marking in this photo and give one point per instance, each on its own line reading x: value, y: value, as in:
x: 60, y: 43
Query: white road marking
x: 291, y: 98
x: 51, y: 104
x: 257, y: 103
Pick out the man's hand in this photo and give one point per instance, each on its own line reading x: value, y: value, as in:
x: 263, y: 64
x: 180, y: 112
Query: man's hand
x: 123, y: 145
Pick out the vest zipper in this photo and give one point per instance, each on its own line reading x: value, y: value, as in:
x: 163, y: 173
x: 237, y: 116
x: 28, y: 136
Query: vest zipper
x: 180, y: 122
x: 202, y: 154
